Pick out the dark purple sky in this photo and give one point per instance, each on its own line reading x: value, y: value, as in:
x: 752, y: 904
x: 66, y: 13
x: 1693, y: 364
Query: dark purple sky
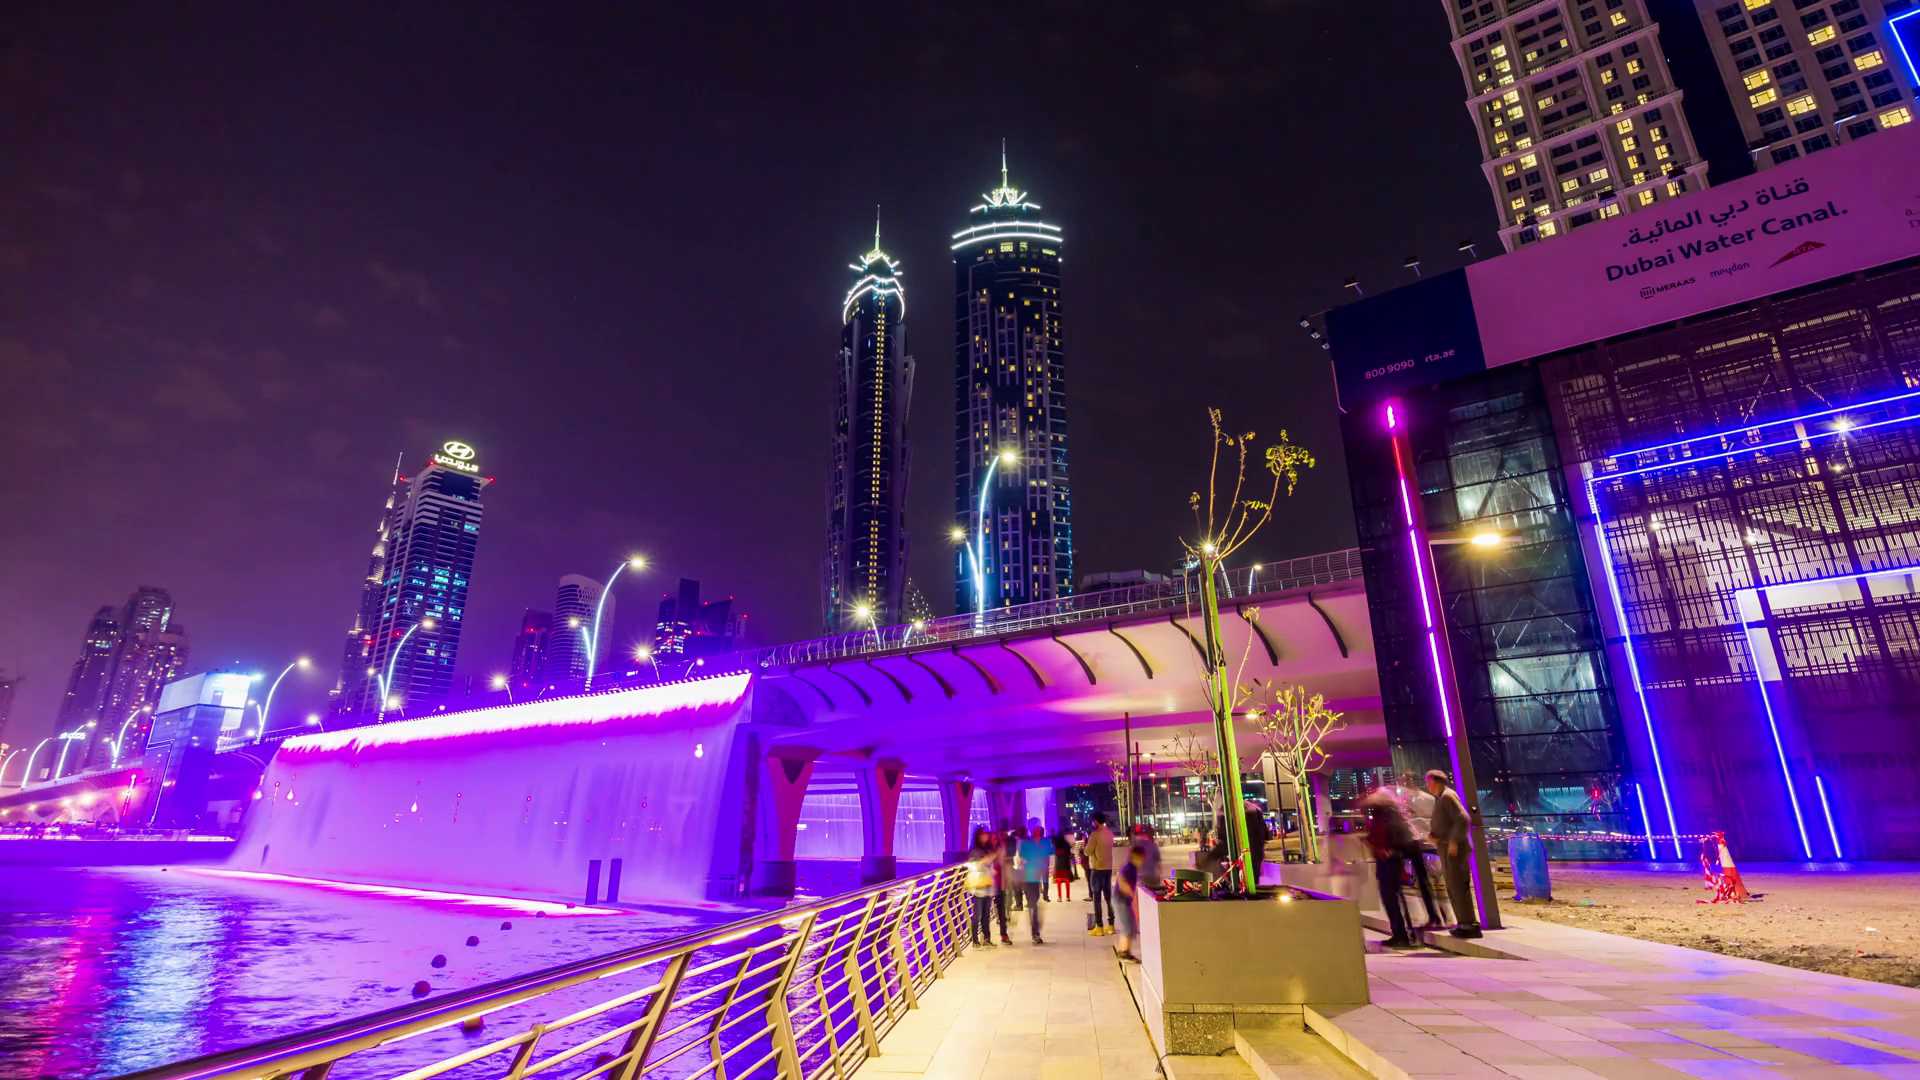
x: 249, y: 256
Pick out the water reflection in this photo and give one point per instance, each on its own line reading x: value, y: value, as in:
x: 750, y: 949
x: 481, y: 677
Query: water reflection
x: 103, y: 971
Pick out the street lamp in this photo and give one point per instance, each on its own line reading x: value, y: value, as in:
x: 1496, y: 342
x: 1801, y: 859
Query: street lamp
x: 863, y: 613
x: 501, y: 682
x: 645, y: 655
x: 388, y: 699
x: 637, y: 562
x: 298, y: 662
x: 69, y: 739
x: 121, y: 738
x: 1002, y: 457
x: 6, y: 761
x: 313, y: 720
x: 28, y: 773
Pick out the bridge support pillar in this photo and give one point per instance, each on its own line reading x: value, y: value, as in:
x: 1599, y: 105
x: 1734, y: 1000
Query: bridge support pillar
x: 879, y: 783
x: 786, y: 777
x: 1008, y: 806
x: 956, y: 807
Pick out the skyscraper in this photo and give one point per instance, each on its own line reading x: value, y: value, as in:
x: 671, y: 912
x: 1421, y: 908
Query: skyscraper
x: 530, y: 649
x: 1011, y: 403
x: 684, y: 626
x: 8, y: 685
x: 1810, y: 76
x: 420, y: 570
x: 93, y: 673
x: 1579, y: 117
x: 573, y: 606
x: 866, y: 564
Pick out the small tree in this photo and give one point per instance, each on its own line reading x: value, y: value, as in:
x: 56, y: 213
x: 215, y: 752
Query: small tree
x: 1294, y: 726
x: 1122, y: 792
x: 1224, y: 527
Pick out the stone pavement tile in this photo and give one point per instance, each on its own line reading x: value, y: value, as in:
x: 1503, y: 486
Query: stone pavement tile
x: 1841, y: 1052
x: 1084, y: 1067
x: 1709, y: 1069
x: 1882, y: 1034
x: 1723, y: 1038
x: 1536, y: 1030
x: 1499, y: 1050
x: 1893, y: 1072
x: 1567, y: 1071
x: 1673, y: 1049
x: 1627, y: 1068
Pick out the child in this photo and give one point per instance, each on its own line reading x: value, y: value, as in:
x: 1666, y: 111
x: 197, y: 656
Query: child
x: 1126, y: 894
x: 1063, y: 868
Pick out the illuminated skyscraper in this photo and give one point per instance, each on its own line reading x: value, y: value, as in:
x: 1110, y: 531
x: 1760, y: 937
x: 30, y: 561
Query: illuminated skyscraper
x: 92, y: 674
x: 573, y: 606
x: 865, y: 574
x: 420, y: 569
x: 530, y: 649
x: 1579, y: 117
x: 1011, y: 402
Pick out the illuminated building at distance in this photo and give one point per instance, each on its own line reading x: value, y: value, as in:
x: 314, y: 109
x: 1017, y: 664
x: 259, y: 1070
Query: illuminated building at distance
x: 865, y: 572
x: 530, y: 649
x: 565, y: 662
x: 1010, y: 399
x: 414, y: 599
x: 685, y: 626
x: 1808, y: 76
x: 127, y: 656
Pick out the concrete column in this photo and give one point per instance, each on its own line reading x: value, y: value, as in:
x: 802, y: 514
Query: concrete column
x: 786, y: 776
x: 956, y: 805
x: 879, y: 783
x: 1007, y: 804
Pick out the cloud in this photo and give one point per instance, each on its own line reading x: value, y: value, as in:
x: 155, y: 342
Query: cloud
x: 405, y: 285
x: 197, y: 393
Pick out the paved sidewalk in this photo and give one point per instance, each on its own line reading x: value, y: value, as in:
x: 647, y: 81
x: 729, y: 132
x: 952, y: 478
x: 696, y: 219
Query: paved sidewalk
x: 1576, y: 1003
x: 1059, y: 1011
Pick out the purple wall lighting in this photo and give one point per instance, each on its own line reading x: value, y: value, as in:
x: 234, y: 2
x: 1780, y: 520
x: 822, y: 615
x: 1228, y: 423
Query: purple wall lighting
x: 1753, y: 603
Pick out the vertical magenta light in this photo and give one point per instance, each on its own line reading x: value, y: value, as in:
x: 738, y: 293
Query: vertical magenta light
x: 1833, y: 834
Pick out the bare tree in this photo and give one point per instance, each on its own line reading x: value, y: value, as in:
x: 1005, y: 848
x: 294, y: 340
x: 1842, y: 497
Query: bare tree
x: 1294, y: 725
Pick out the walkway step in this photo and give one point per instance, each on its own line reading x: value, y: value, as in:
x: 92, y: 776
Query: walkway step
x: 1290, y: 1052
x: 1383, y: 1045
x: 1482, y: 947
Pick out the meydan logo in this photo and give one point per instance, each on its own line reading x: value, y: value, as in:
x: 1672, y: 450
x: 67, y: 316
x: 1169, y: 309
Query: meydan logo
x: 456, y: 455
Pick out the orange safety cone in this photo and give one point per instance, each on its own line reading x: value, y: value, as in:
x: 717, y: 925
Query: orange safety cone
x: 1735, y: 889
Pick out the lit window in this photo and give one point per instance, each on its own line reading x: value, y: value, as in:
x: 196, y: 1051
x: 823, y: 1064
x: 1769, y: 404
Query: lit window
x: 1758, y: 79
x: 1518, y: 204
x: 1570, y: 183
x: 1624, y: 126
x: 1545, y: 102
x: 1823, y: 35
x: 1802, y: 105
x: 1895, y: 117
x: 1867, y: 60
x: 1610, y: 210
x: 1619, y: 18
x: 1547, y: 228
x: 1498, y: 51
x: 1529, y: 161
x: 1499, y: 136
x: 1522, y: 144
x: 1639, y: 178
x: 1606, y: 76
x: 1629, y: 143
x: 1596, y: 176
x: 1673, y: 187
x: 1633, y: 67
x: 1646, y: 198
x: 1633, y: 161
x: 1511, y: 96
x: 1507, y: 169
x: 1756, y: 5
x: 1656, y: 133
x: 1516, y: 113
x: 1663, y: 151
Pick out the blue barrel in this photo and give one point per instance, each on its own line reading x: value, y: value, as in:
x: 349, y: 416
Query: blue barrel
x: 1528, y: 853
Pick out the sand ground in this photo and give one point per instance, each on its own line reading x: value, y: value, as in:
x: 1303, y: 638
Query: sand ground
x: 1863, y: 922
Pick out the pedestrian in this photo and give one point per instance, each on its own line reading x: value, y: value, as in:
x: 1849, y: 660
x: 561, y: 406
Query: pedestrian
x: 1390, y: 838
x: 981, y: 860
x: 1452, y: 836
x: 1100, y: 874
x: 1035, y: 855
x: 1003, y: 881
x: 1150, y: 874
x: 1126, y: 895
x: 1258, y: 835
x: 1419, y: 806
x: 1010, y: 837
x: 1064, y: 870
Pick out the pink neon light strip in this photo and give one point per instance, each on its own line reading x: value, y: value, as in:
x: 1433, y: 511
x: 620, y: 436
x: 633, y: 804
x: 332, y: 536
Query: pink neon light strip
x: 398, y: 892
x: 556, y: 712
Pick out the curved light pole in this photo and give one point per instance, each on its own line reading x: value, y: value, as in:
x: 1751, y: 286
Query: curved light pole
x: 386, y: 680
x: 69, y: 738
x: 1006, y: 457
x: 298, y: 662
x: 501, y: 682
x: 120, y: 739
x: 28, y: 773
x: 6, y: 761
x: 645, y: 653
x: 637, y: 562
x: 864, y: 613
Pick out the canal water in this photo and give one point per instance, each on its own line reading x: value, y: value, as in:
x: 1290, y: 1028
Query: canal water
x: 103, y: 971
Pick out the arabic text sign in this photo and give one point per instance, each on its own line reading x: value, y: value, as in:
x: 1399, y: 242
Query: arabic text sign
x: 1830, y: 214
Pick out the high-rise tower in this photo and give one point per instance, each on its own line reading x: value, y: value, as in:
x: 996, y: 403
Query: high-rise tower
x: 865, y: 573
x: 421, y: 567
x: 574, y: 603
x: 1011, y: 404
x: 92, y: 674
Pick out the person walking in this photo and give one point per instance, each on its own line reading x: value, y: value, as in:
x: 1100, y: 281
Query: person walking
x: 1126, y: 897
x: 981, y: 861
x: 1390, y: 838
x: 1064, y: 870
x: 1419, y: 804
x: 1036, y: 854
x: 1150, y: 875
x: 1010, y: 834
x: 1003, y: 880
x: 1452, y: 836
x: 1100, y: 874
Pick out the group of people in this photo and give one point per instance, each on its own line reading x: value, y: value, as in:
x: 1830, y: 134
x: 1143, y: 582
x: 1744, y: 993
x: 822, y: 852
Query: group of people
x: 1398, y: 832
x: 1017, y: 863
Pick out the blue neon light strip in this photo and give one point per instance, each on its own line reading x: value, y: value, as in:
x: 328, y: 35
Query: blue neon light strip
x: 1646, y: 823
x: 1773, y: 727
x: 1894, y: 32
x: 1832, y: 833
x: 1613, y: 586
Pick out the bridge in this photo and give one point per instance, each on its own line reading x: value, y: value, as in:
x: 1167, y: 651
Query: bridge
x: 697, y: 786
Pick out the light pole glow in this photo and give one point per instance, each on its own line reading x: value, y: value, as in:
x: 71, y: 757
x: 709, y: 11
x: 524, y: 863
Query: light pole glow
x: 501, y: 682
x: 389, y: 700
x: 67, y: 740
x: 298, y: 662
x: 121, y: 738
x: 638, y: 562
x: 28, y: 773
x: 980, y: 536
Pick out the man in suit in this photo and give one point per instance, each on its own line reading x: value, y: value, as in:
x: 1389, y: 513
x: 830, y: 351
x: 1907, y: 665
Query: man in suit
x: 1452, y: 837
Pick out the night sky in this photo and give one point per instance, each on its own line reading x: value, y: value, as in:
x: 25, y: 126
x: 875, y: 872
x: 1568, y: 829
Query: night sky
x: 249, y: 255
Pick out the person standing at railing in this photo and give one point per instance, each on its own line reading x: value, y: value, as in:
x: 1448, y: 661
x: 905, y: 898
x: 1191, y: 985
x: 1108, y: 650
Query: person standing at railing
x: 1100, y: 873
x: 1036, y: 854
x: 983, y: 864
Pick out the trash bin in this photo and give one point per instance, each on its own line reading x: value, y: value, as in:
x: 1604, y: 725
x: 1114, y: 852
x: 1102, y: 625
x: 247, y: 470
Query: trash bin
x: 1528, y: 854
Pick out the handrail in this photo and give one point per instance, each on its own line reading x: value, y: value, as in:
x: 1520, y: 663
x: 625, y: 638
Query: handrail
x: 698, y: 995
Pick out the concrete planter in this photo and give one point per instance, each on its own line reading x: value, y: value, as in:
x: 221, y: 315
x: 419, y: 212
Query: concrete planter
x: 1210, y: 966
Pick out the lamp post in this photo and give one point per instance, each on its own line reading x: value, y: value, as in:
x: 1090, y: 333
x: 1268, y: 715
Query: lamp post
x: 267, y: 709
x: 387, y: 701
x: 979, y: 553
x: 645, y: 654
x: 501, y: 682
x: 27, y: 773
x: 863, y: 613
x: 6, y: 761
x: 120, y: 739
x: 637, y: 562
x: 69, y: 739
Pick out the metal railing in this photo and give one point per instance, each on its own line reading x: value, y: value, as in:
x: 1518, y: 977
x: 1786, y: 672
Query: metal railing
x: 801, y: 993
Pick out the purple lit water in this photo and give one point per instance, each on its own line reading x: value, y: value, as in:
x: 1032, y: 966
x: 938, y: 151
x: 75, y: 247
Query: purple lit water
x: 104, y: 971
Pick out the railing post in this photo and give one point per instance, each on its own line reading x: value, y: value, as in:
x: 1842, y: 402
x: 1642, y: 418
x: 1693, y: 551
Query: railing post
x: 525, y: 1053
x: 640, y: 1039
x: 907, y: 988
x: 857, y: 986
x: 782, y: 1016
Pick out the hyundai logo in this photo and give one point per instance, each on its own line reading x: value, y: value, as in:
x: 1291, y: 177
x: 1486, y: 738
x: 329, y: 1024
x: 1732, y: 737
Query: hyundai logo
x: 457, y: 450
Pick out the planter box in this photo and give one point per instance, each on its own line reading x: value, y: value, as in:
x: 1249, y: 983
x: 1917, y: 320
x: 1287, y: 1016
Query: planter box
x: 1209, y: 966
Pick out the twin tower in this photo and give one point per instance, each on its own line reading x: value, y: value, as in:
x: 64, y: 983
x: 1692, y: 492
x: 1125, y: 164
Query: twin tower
x: 1012, y: 525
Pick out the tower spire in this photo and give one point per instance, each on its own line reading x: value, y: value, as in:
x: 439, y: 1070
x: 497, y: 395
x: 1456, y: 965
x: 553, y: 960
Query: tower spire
x: 876, y: 226
x: 1003, y: 162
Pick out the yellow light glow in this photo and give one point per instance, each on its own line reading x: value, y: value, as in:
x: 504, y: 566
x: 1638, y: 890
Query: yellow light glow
x: 573, y: 622
x: 1009, y: 457
x: 1487, y: 538
x: 499, y: 682
x: 957, y: 534
x: 643, y: 653
x: 303, y: 662
x: 637, y: 562
x: 427, y: 624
